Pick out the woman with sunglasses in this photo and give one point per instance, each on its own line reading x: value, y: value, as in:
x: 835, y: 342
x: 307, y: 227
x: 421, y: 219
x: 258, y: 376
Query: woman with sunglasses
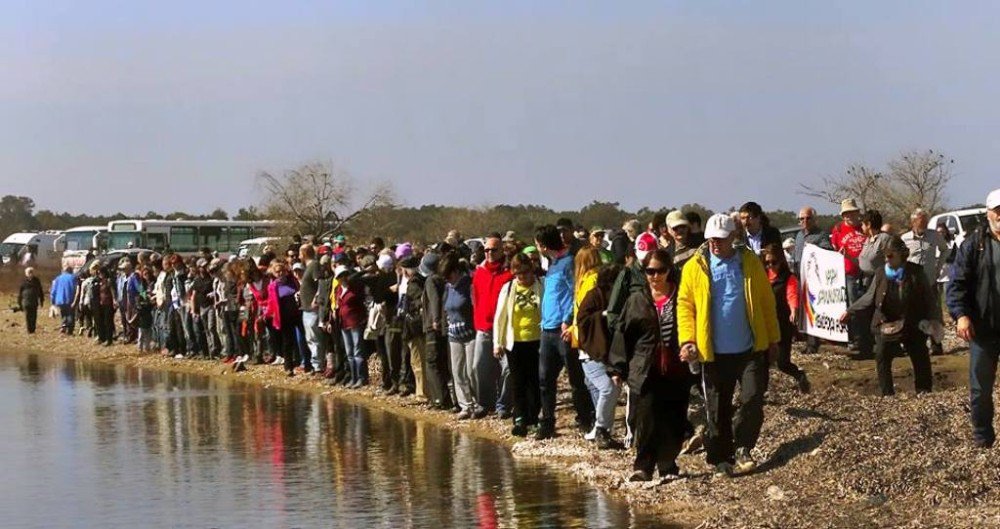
x: 644, y: 353
x: 786, y: 297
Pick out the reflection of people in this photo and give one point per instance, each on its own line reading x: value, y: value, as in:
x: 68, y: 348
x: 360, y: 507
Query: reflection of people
x: 899, y: 293
x: 973, y: 296
x: 29, y: 299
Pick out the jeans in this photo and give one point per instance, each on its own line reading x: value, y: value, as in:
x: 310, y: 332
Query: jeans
x: 486, y: 371
x: 725, y: 430
x: 309, y: 322
x: 356, y: 360
x: 555, y: 353
x: 603, y: 393
x: 66, y: 312
x: 462, y: 372
x: 983, y: 355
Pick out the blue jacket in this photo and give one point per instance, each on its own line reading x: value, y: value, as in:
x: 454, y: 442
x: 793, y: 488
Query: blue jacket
x: 557, y: 301
x: 63, y: 289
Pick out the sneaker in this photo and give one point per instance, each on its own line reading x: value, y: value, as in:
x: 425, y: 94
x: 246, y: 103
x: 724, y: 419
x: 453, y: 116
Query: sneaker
x: 640, y: 476
x: 744, y: 461
x: 504, y: 414
x: 804, y: 385
x: 405, y: 392
x: 591, y: 435
x: 464, y: 415
x: 479, y: 414
x: 519, y: 430
x: 229, y: 359
x: 278, y: 361
x: 724, y: 470
x: 694, y: 442
x: 178, y: 356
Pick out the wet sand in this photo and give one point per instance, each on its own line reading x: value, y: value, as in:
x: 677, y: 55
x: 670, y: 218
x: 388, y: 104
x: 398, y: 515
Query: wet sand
x: 838, y: 457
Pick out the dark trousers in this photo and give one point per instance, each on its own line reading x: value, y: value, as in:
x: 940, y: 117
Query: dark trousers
x: 436, y: 375
x: 859, y: 327
x: 785, y: 364
x: 522, y: 360
x: 724, y: 429
x: 104, y: 323
x: 916, y: 348
x: 400, y: 374
x: 31, y: 318
x: 554, y: 353
x: 658, y: 419
x: 983, y: 356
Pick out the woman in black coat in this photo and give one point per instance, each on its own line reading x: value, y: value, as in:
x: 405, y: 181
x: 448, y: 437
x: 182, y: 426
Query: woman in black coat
x: 644, y: 353
x: 30, y: 298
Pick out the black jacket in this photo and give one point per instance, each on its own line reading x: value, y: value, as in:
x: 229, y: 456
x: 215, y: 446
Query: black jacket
x: 30, y: 294
x: 433, y: 305
x: 971, y: 291
x: 913, y: 300
x: 620, y: 244
x: 635, y: 345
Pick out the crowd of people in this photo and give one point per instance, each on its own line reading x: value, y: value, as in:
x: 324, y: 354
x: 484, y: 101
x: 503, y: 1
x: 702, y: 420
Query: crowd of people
x: 683, y: 317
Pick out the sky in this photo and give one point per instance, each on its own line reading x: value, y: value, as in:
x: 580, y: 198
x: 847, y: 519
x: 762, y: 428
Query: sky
x: 117, y: 105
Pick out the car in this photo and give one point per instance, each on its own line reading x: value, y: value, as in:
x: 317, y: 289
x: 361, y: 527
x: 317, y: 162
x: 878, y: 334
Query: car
x: 960, y: 223
x: 112, y: 258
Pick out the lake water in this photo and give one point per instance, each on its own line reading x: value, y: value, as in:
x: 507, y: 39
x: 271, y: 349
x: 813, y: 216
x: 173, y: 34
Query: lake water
x: 95, y: 445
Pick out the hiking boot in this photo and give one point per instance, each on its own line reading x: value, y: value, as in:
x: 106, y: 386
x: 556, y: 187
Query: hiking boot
x: 640, y: 476
x: 804, y: 385
x: 605, y: 441
x: 519, y: 430
x: 546, y: 430
x: 724, y: 470
x: 744, y: 461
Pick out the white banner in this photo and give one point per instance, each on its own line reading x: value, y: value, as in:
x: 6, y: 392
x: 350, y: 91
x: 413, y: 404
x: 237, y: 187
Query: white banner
x: 824, y: 297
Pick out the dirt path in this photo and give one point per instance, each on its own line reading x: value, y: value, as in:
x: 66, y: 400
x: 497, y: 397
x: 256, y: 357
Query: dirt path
x: 839, y: 457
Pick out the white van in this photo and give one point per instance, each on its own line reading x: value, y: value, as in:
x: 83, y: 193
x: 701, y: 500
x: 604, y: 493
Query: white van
x: 254, y: 248
x: 34, y: 248
x: 76, y: 244
x: 960, y: 223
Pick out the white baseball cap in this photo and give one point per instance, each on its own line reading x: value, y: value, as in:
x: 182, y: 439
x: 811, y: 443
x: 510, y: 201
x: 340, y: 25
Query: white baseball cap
x: 719, y: 226
x: 993, y: 199
x: 340, y: 270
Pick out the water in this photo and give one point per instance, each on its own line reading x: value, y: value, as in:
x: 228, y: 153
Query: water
x: 93, y: 445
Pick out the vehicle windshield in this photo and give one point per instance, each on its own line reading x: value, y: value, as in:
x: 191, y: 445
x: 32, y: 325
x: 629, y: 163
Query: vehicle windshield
x: 10, y: 249
x: 79, y: 241
x: 971, y: 222
x: 120, y: 240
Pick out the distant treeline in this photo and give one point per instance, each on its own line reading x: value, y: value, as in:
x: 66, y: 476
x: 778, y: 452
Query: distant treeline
x: 427, y: 223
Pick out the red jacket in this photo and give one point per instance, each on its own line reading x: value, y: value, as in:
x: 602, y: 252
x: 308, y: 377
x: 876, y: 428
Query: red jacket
x: 486, y: 283
x: 848, y: 241
x: 351, y: 305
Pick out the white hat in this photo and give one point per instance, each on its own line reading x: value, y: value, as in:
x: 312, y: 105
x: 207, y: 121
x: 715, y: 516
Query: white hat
x: 385, y: 262
x: 848, y: 205
x: 719, y: 226
x: 993, y: 199
x: 298, y: 266
x: 788, y: 244
x: 340, y: 270
x: 676, y: 218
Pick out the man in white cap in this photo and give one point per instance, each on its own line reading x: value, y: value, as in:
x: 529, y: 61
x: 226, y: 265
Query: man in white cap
x: 973, y: 299
x: 727, y: 321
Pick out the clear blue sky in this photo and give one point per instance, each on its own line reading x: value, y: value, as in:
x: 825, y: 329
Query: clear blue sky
x: 470, y: 103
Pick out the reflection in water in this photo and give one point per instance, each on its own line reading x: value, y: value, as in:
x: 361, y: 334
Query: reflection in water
x: 118, y: 447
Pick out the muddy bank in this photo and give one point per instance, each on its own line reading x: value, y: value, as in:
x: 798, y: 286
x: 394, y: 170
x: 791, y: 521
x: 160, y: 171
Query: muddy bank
x: 838, y: 457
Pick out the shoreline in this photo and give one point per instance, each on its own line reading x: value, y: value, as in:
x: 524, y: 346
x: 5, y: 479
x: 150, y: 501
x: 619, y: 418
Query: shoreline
x: 840, y: 456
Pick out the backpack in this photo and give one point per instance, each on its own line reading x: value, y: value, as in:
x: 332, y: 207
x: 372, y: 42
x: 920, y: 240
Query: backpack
x: 629, y: 280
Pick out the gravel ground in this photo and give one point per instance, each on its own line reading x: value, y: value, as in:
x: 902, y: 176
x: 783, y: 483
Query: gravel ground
x: 839, y: 457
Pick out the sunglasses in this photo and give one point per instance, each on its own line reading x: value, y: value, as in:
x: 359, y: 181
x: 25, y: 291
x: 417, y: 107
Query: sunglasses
x: 654, y: 271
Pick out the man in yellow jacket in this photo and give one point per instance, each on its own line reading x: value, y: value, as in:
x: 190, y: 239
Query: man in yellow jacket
x: 727, y: 322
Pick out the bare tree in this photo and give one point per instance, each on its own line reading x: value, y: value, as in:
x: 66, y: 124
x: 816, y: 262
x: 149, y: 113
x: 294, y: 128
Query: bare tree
x: 318, y: 198
x: 913, y: 180
x: 919, y: 180
x: 859, y: 182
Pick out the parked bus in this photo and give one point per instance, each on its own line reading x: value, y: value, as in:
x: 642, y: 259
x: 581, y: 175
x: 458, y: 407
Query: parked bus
x: 31, y: 248
x: 185, y: 237
x: 76, y: 244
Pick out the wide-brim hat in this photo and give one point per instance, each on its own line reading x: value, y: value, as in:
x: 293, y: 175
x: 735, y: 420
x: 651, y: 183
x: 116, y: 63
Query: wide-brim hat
x: 848, y: 205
